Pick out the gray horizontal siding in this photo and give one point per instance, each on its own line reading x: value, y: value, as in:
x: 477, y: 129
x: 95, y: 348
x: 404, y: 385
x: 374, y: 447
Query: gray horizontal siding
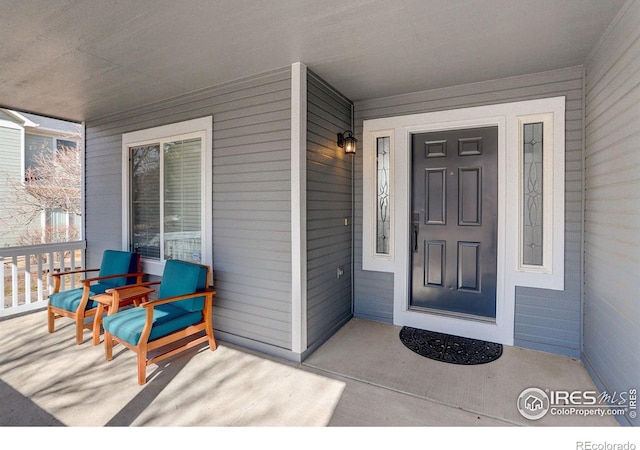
x: 328, y: 204
x: 251, y: 197
x: 10, y: 143
x: 545, y: 320
x: 551, y: 320
x: 612, y: 217
x: 10, y: 174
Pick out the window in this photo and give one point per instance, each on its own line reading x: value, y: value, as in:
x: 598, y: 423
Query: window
x: 536, y: 189
x: 532, y: 189
x: 383, y: 211
x: 40, y: 150
x: 36, y: 145
x: 61, y: 226
x: 168, y: 193
x: 378, y: 197
x: 64, y: 144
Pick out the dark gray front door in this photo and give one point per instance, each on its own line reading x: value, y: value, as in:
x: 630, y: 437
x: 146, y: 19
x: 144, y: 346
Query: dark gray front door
x: 455, y: 222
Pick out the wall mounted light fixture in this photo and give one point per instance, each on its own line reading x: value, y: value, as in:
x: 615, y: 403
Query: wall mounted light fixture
x: 348, y: 142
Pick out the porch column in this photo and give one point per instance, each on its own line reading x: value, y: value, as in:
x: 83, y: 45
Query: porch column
x: 298, y: 208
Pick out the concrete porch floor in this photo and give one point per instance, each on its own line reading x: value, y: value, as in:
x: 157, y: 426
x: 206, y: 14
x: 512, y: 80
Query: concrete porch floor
x: 362, y: 377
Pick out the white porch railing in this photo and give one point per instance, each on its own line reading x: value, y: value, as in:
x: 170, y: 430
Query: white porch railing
x: 24, y: 281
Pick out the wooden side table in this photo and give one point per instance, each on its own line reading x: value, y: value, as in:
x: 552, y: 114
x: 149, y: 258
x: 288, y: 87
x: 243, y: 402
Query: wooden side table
x: 113, y: 299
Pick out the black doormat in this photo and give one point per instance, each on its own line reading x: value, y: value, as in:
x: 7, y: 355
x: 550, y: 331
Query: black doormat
x: 448, y: 348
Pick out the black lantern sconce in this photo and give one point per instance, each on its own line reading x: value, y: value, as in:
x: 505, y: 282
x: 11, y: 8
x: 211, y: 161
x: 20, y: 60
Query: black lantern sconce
x: 348, y: 142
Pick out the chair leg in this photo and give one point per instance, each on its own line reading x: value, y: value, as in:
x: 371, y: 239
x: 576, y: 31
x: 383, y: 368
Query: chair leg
x: 51, y: 317
x: 211, y: 338
x: 108, y: 346
x: 208, y: 328
x: 97, y: 324
x: 142, y: 368
x: 79, y: 329
x: 212, y: 342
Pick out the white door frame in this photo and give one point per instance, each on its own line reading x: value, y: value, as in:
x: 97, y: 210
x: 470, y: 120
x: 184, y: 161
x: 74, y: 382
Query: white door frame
x: 508, y: 118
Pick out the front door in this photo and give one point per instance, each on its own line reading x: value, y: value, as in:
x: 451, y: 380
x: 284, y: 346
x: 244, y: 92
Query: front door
x: 454, y: 222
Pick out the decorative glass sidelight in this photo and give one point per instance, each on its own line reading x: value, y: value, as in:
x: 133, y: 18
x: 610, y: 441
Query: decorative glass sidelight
x: 532, y: 232
x: 383, y: 222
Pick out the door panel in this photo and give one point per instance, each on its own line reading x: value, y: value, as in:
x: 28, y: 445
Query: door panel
x: 470, y: 196
x: 469, y: 266
x: 454, y: 215
x: 435, y: 196
x: 434, y: 263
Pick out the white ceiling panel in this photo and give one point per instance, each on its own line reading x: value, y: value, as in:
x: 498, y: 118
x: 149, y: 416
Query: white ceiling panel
x: 84, y: 59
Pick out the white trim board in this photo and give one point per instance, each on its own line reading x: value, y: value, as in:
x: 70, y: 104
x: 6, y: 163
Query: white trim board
x: 506, y: 117
x: 298, y: 207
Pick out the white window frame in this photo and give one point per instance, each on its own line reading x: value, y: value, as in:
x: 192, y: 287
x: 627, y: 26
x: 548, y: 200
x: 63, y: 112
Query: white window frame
x: 202, y: 127
x: 507, y: 117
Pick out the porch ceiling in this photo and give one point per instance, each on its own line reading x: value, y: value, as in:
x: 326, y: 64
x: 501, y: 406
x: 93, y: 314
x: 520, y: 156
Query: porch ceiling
x: 85, y: 59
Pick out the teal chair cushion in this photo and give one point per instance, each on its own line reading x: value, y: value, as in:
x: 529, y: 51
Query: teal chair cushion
x: 127, y: 324
x: 70, y: 300
x: 180, y: 278
x: 115, y: 262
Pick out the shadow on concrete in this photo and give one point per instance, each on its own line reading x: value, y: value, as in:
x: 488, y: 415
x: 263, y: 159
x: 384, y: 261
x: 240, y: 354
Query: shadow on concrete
x: 16, y: 410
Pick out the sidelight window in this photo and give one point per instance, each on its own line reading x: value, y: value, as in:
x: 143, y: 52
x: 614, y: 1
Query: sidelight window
x: 532, y: 190
x: 383, y: 212
x: 535, y: 189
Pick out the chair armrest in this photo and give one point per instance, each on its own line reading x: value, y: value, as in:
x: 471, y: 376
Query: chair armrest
x: 71, y: 272
x: 204, y: 293
x: 57, y: 275
x: 149, y: 312
x: 138, y: 275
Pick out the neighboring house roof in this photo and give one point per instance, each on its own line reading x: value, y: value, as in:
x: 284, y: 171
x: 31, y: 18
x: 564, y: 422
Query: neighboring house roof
x: 19, y: 118
x: 53, y: 125
x: 33, y: 123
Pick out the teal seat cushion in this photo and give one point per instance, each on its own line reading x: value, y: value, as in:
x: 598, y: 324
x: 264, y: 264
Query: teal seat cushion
x: 70, y: 300
x: 115, y: 262
x: 127, y: 324
x: 181, y: 278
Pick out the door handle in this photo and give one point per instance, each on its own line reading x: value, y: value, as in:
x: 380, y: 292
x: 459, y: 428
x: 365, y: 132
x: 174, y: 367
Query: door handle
x: 414, y: 237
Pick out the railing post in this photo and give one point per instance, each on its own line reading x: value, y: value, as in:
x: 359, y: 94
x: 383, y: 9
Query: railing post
x: 14, y: 281
x: 27, y: 278
x: 2, y: 282
x: 72, y: 254
x: 52, y: 267
x: 40, y: 275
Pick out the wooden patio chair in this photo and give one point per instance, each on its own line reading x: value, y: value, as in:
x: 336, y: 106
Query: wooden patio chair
x: 182, y: 312
x: 117, y: 269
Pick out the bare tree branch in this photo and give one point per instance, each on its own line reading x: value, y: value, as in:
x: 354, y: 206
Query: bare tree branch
x: 53, y: 182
